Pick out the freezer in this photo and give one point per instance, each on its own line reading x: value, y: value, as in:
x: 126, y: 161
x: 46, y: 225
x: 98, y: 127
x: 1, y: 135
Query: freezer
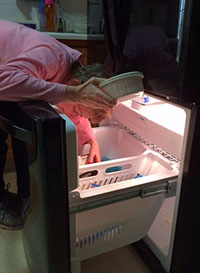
x: 115, y: 202
x: 82, y: 210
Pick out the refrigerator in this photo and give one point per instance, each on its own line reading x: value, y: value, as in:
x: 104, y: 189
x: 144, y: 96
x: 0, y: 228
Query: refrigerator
x: 145, y: 193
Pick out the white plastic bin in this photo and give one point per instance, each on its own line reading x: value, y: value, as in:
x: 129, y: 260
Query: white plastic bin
x: 114, y: 143
x: 129, y: 159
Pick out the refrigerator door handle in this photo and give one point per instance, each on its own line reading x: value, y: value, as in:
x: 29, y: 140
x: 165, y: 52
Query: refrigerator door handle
x: 146, y: 193
x: 16, y: 131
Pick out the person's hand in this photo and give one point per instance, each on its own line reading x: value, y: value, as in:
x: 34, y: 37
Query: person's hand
x: 90, y: 95
x: 94, y: 154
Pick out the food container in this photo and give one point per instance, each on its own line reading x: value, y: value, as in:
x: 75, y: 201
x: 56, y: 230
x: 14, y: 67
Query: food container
x: 123, y: 84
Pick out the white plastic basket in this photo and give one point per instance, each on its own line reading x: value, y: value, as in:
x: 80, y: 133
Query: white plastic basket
x: 117, y: 170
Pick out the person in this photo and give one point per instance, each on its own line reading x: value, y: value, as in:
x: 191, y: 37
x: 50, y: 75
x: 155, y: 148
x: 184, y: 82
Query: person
x: 35, y: 66
x: 80, y: 114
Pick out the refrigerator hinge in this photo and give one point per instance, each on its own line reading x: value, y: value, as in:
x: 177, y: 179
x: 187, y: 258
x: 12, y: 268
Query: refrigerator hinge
x: 169, y: 189
x: 146, y: 142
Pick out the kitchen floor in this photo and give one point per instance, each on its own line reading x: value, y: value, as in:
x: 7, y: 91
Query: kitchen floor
x: 13, y: 258
x: 122, y: 260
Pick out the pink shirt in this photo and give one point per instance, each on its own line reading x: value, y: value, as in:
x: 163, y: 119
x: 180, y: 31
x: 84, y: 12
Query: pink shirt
x: 35, y: 66
x: 84, y: 130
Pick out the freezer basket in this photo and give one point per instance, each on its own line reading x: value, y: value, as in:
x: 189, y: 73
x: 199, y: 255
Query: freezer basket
x: 117, y: 170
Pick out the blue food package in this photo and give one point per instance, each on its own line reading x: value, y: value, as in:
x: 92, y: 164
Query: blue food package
x: 93, y: 185
x: 138, y: 175
x: 111, y: 169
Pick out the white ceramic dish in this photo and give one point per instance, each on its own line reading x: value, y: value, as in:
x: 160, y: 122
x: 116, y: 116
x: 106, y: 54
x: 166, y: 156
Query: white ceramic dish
x: 123, y: 84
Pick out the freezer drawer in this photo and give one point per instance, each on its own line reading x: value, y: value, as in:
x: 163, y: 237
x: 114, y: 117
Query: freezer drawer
x: 117, y: 200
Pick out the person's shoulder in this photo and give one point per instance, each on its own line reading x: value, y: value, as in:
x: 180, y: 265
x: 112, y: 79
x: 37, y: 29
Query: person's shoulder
x: 8, y: 25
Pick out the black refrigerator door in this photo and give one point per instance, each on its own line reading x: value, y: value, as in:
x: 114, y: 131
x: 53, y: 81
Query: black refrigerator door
x: 46, y: 231
x: 188, y: 76
x: 180, y: 22
x: 186, y: 248
x: 159, y: 38
x: 142, y: 35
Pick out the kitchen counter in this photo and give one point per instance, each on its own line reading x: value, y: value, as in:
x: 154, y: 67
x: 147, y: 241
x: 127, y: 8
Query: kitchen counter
x: 76, y: 36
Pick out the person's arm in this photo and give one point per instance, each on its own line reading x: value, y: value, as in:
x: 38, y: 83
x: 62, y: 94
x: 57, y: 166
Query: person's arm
x: 84, y: 130
x: 90, y: 95
x: 94, y: 155
x: 22, y: 80
x: 86, y: 136
x: 17, y: 84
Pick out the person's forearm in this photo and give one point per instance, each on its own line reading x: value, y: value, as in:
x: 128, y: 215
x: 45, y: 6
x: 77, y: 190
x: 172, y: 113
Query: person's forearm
x: 90, y: 95
x: 94, y: 155
x: 18, y: 85
x: 70, y: 94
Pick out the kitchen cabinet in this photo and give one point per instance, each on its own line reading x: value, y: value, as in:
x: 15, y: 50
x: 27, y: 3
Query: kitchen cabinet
x: 94, y: 51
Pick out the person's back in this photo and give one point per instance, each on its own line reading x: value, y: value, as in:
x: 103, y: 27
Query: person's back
x: 39, y: 63
x: 17, y: 39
